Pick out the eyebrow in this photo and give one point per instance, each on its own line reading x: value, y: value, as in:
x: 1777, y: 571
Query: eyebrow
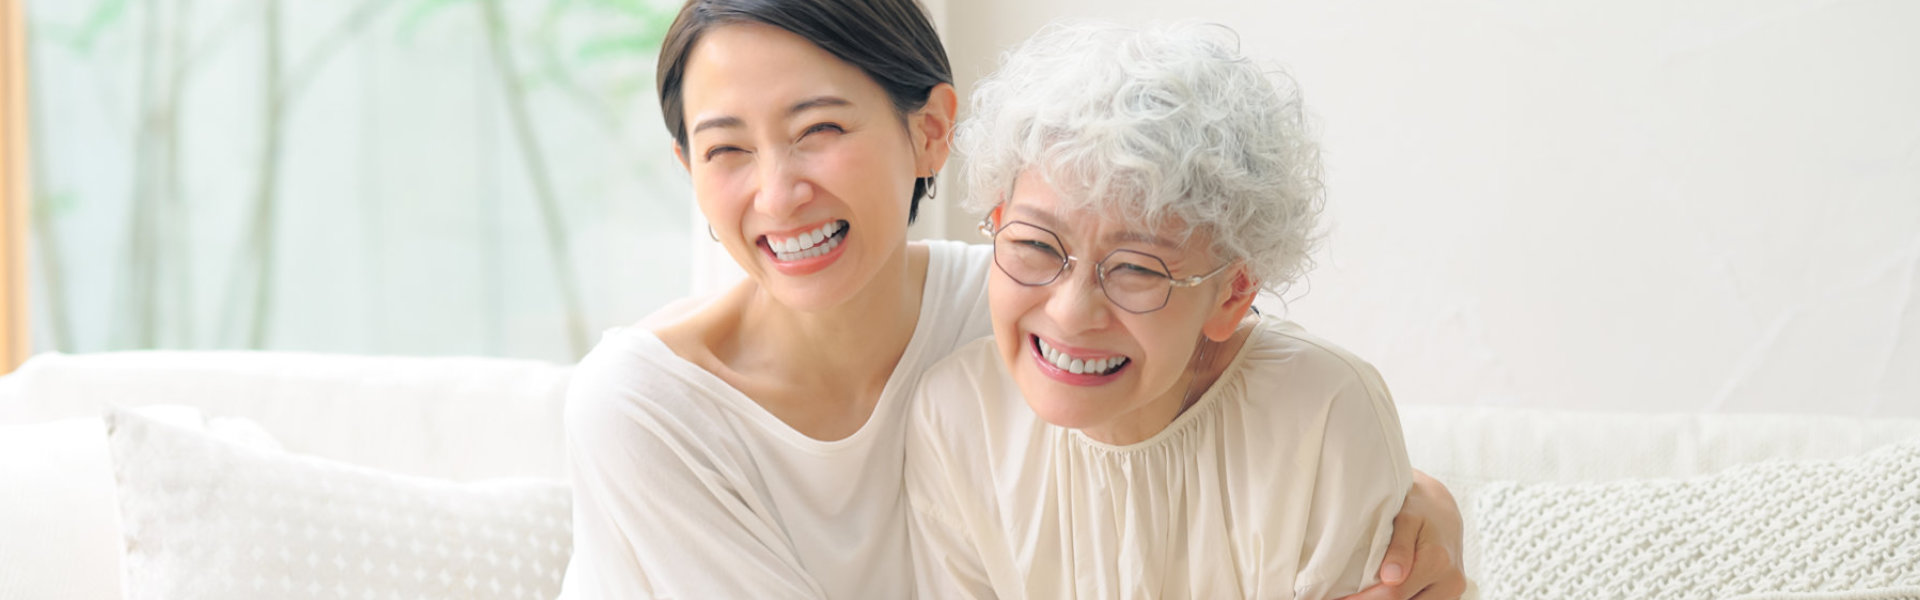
x: 716, y: 122
x: 1141, y: 238
x: 798, y: 107
x: 1049, y: 220
x: 817, y: 102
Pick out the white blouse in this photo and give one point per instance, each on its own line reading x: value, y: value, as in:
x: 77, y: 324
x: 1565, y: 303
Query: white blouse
x: 686, y: 488
x: 1281, y: 481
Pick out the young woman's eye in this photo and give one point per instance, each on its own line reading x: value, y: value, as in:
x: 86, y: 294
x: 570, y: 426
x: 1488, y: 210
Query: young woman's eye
x: 823, y: 127
x: 716, y: 151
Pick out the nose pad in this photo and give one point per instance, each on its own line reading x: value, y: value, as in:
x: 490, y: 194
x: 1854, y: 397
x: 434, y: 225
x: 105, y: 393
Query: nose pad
x: 1077, y: 302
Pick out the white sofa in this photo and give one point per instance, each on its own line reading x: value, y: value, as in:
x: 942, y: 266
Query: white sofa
x: 467, y: 419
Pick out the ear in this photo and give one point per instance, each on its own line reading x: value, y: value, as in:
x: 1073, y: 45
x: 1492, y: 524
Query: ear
x: 680, y: 152
x: 932, y: 129
x: 1231, y: 305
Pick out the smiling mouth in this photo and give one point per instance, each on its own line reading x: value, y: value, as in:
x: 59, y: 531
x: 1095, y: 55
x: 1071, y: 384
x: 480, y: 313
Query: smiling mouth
x: 1098, y: 367
x: 808, y: 244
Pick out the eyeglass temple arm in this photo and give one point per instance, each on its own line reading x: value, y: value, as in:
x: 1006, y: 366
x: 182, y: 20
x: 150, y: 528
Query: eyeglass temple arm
x: 1195, y: 280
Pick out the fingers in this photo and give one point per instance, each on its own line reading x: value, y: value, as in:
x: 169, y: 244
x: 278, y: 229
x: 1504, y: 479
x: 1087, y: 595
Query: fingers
x: 1379, y: 591
x: 1451, y: 589
x: 1400, y: 558
x: 1436, y: 573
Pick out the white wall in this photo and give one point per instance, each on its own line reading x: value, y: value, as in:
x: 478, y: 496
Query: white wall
x: 1637, y: 205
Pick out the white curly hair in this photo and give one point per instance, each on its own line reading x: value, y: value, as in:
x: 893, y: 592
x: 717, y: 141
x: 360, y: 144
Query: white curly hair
x: 1166, y: 121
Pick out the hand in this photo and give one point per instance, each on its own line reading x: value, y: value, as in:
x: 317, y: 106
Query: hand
x: 1423, y: 559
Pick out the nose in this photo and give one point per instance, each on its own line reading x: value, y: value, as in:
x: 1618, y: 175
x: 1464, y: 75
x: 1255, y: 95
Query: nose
x: 1076, y: 302
x: 782, y: 189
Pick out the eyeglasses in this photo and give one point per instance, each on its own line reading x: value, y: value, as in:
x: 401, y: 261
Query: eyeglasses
x: 1136, y: 282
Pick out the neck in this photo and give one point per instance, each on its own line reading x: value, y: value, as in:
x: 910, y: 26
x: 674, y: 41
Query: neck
x: 855, y: 343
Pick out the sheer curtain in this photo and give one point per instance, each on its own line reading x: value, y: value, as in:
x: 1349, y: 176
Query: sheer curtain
x: 377, y: 176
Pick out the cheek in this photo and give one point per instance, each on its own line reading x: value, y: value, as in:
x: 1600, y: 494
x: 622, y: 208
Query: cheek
x: 1009, y: 301
x: 720, y: 189
x: 1168, y: 344
x: 867, y: 167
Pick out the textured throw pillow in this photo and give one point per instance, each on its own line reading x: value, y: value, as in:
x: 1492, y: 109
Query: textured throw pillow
x: 1821, y: 528
x: 1904, y: 593
x: 208, y: 518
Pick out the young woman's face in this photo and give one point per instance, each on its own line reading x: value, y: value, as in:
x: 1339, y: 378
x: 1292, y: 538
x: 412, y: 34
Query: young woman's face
x: 799, y: 162
x: 1134, y: 368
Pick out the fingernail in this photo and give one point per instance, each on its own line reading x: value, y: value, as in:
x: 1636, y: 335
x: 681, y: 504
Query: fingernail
x: 1392, y: 573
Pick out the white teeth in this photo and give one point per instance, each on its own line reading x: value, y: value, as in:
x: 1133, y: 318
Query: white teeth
x: 1079, y: 366
x: 808, y: 244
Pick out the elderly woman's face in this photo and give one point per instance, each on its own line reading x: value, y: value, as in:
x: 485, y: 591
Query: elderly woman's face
x: 1080, y: 356
x: 799, y: 162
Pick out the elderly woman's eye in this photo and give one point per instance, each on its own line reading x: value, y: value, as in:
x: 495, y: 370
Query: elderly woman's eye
x: 1138, y: 270
x: 1037, y: 246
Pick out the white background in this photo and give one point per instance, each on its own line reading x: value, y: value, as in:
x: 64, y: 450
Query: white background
x: 1624, y: 206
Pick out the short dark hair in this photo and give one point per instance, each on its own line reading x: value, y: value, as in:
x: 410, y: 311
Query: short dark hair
x: 892, y: 41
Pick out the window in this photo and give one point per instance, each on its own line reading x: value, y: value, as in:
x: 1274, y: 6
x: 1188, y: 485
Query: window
x: 13, y: 188
x: 375, y: 176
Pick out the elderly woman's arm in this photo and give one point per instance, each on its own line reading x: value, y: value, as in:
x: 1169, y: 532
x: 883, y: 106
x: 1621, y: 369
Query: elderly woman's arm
x: 1423, y: 560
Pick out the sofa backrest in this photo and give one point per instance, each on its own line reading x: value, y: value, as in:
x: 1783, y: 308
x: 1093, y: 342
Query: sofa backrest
x: 452, y: 418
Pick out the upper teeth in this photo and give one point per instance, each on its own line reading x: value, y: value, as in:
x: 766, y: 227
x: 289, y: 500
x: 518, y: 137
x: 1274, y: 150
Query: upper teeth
x: 1079, y: 366
x: 807, y: 244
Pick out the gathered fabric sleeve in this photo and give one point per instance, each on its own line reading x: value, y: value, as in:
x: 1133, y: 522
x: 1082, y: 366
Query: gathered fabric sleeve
x: 1362, y: 478
x: 946, y: 557
x: 661, y: 507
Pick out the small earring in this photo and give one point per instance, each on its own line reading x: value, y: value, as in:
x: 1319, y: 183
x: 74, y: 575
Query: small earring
x: 710, y: 233
x: 932, y: 190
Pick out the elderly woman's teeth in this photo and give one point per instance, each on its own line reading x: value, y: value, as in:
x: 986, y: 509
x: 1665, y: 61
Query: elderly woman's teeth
x: 1080, y: 366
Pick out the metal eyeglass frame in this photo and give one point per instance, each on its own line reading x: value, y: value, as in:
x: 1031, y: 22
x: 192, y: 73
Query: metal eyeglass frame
x: 1066, y: 264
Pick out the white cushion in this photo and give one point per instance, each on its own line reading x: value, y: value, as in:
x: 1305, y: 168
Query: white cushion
x: 1814, y: 526
x: 59, y: 529
x: 1469, y: 447
x: 1899, y: 593
x: 208, y: 518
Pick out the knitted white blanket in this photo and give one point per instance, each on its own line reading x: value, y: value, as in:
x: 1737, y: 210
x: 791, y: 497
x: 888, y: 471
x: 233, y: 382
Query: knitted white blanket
x: 1762, y: 531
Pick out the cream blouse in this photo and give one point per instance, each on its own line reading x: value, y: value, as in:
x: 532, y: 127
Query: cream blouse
x: 1281, y: 481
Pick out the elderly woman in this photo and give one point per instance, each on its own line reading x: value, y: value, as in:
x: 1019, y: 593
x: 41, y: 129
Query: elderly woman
x: 1132, y: 429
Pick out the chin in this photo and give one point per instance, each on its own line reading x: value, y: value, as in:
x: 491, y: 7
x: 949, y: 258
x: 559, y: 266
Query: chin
x: 1072, y: 409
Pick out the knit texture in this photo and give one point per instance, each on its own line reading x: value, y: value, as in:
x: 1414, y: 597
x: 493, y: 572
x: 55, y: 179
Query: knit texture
x: 1903, y: 593
x: 1848, y: 525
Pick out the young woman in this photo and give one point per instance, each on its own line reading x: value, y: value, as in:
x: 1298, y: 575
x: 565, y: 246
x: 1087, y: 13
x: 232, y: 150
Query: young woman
x: 1128, y: 432
x: 753, y: 447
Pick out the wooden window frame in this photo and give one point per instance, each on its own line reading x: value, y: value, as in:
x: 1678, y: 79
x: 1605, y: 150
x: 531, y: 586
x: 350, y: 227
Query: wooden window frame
x: 14, y: 188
